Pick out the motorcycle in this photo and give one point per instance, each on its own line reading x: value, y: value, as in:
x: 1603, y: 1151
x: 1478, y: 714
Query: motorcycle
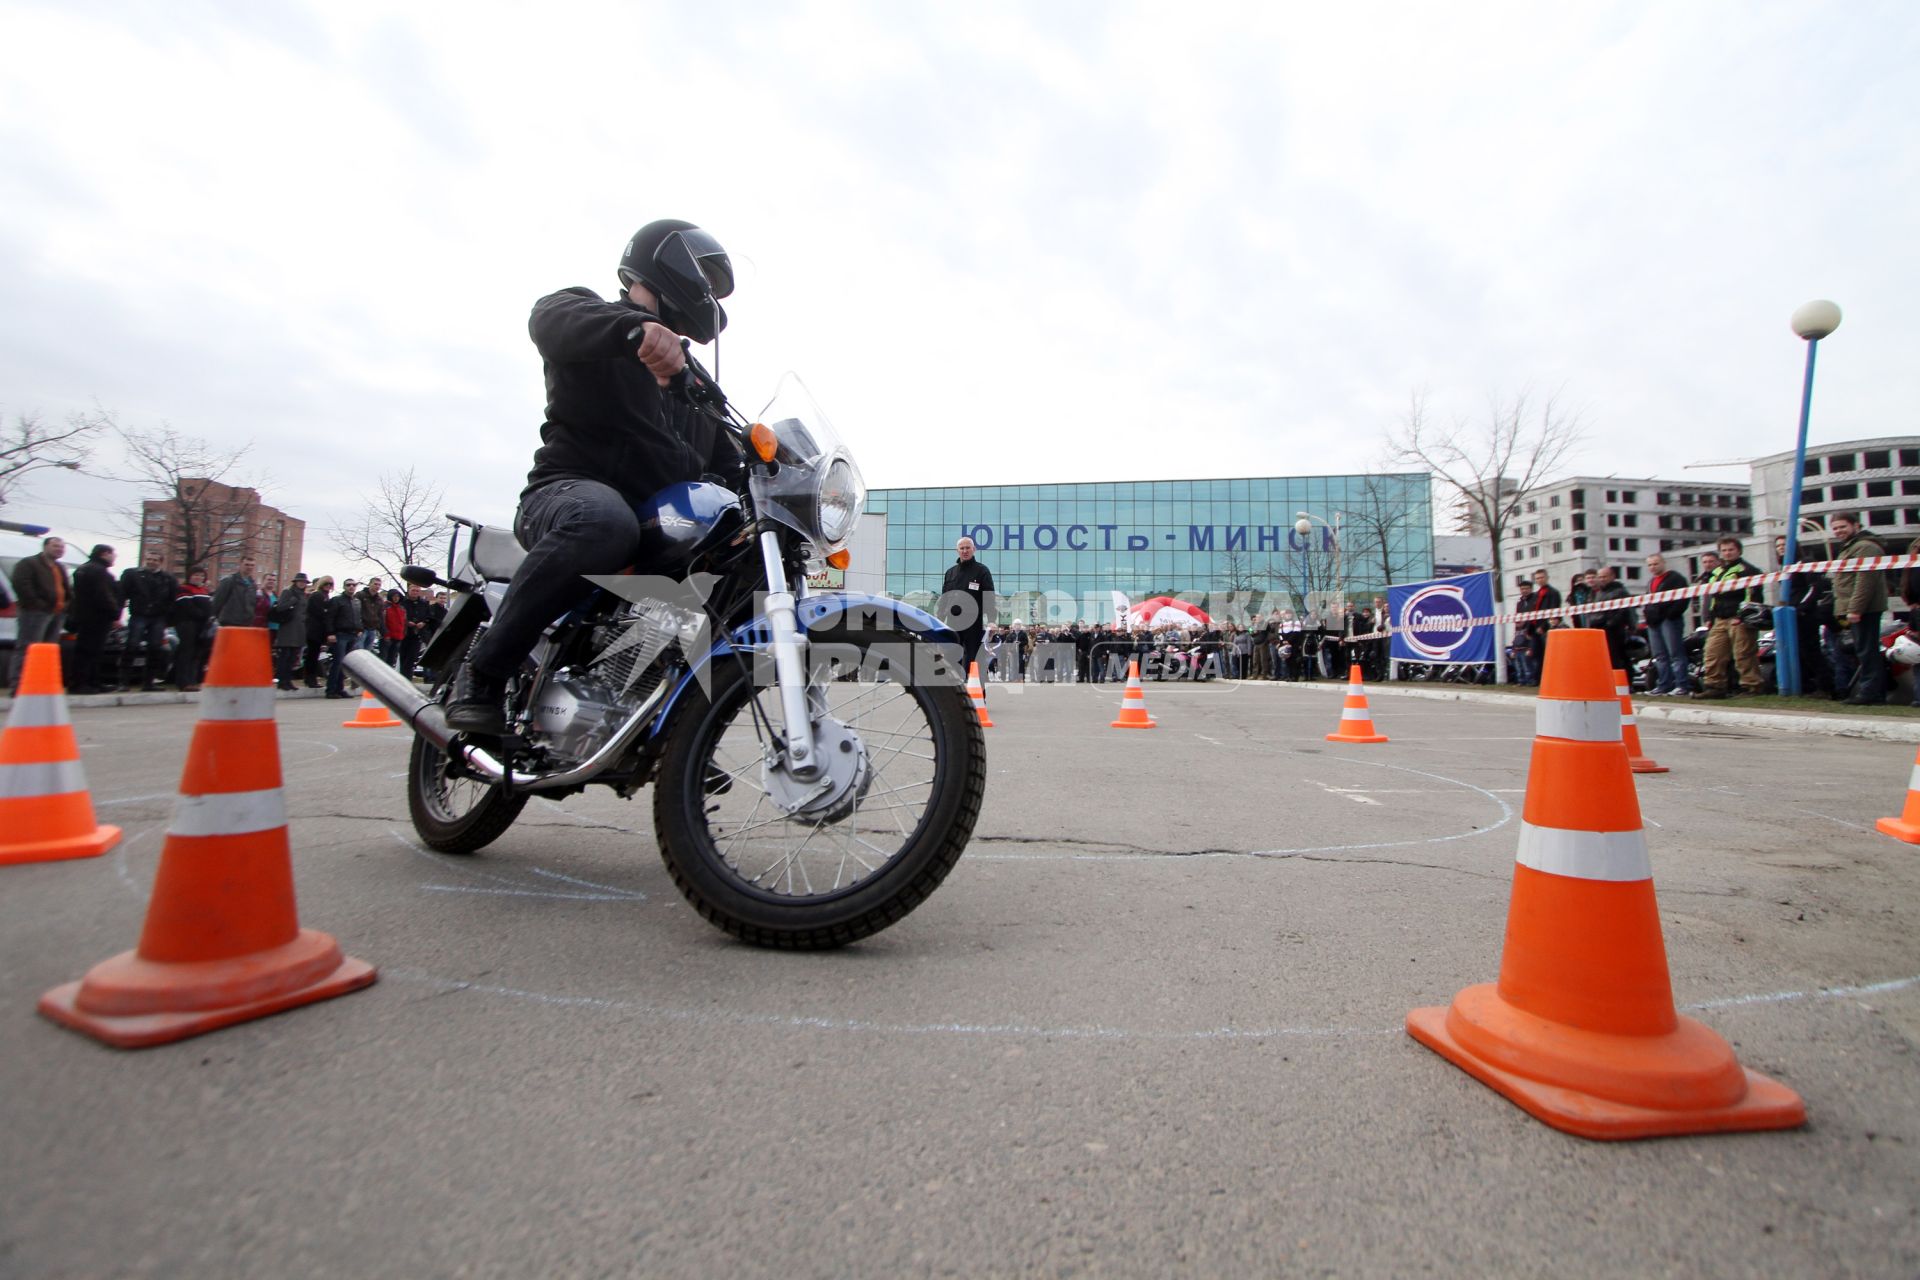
x: 816, y: 767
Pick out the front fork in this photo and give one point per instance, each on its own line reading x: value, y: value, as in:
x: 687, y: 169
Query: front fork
x: 789, y: 662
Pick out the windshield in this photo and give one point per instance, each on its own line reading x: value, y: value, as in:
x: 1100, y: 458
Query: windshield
x: 818, y: 490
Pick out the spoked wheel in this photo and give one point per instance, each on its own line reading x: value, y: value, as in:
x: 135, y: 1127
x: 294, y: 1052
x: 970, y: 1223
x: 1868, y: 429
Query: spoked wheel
x: 780, y: 863
x: 455, y: 814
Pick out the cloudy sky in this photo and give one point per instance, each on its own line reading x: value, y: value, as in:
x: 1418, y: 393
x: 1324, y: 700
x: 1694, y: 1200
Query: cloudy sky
x: 1029, y: 242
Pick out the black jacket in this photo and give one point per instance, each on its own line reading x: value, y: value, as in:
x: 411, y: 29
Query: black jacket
x: 343, y: 616
x: 1660, y: 611
x: 607, y: 419
x: 1727, y: 603
x: 96, y: 596
x: 966, y: 579
x: 318, y: 606
x: 1544, y: 598
x: 149, y: 592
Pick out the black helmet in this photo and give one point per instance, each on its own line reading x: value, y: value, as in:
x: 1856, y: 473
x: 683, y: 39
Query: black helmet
x: 687, y: 269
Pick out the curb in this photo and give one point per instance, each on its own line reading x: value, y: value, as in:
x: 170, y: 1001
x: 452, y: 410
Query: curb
x: 1873, y: 728
x: 166, y: 697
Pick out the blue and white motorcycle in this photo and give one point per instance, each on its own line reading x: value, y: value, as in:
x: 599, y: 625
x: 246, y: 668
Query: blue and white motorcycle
x: 816, y: 766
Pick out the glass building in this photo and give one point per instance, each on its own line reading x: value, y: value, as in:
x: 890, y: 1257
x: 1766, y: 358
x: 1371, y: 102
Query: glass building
x: 1060, y: 551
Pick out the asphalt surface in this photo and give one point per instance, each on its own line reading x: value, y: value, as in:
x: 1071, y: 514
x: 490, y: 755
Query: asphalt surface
x: 1151, y: 1025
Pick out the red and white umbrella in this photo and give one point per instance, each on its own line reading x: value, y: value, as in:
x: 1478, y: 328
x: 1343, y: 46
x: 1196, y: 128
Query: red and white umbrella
x: 1165, y: 611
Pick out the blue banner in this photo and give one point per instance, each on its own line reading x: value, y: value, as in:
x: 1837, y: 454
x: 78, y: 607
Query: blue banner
x: 1430, y: 619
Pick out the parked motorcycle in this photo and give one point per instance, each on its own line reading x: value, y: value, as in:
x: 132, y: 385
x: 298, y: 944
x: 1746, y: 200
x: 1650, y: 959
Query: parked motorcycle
x: 816, y: 767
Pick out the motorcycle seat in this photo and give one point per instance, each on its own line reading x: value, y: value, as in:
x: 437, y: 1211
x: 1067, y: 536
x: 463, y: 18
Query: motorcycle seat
x: 496, y: 552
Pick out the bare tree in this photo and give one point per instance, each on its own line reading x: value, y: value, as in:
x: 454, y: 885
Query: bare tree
x: 1376, y: 524
x: 1310, y: 578
x: 1491, y: 462
x: 401, y: 525
x: 1237, y: 578
x: 206, y: 508
x: 33, y: 444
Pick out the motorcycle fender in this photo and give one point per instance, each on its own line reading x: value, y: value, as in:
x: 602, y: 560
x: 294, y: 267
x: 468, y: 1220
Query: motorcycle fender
x: 824, y: 611
x: 466, y: 612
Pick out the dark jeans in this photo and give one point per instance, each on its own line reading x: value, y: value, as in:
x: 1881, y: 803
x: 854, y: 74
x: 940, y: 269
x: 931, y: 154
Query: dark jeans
x: 570, y: 528
x: 1870, y: 669
x: 89, y: 644
x: 1668, y: 640
x: 187, y: 658
x: 337, y: 674
x: 410, y: 653
x: 146, y: 639
x: 286, y: 663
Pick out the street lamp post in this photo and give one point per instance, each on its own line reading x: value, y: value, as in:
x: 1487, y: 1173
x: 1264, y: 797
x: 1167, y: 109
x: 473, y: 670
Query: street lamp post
x: 1812, y: 322
x: 1303, y: 526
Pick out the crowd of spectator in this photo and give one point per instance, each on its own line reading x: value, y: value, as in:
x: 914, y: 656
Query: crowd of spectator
x: 169, y: 624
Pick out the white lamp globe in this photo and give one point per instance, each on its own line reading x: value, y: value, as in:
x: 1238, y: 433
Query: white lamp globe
x: 1303, y: 526
x: 1815, y: 320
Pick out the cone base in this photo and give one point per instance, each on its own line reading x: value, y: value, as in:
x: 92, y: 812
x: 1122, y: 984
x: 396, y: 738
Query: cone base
x: 1356, y: 737
x: 91, y: 845
x: 985, y: 723
x: 142, y: 1030
x: 372, y: 724
x: 1766, y: 1103
x: 1147, y: 723
x: 1642, y: 764
x: 1898, y: 828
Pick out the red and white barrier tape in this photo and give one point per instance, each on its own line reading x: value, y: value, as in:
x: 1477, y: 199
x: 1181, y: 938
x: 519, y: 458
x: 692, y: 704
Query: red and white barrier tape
x: 1745, y: 583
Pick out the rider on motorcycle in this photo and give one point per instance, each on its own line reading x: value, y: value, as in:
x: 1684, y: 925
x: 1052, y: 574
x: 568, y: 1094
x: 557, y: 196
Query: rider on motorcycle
x: 611, y: 439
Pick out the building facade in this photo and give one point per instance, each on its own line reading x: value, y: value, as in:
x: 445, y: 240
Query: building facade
x: 1589, y: 521
x: 215, y: 526
x: 1878, y: 479
x: 1059, y: 552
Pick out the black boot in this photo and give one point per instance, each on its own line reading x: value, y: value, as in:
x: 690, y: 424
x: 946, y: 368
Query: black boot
x: 480, y: 708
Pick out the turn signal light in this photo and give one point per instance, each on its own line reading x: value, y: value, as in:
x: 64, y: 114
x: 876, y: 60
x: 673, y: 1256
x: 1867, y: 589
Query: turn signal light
x: 841, y: 559
x: 765, y: 443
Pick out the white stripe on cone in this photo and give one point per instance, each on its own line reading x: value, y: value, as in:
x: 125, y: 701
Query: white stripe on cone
x: 1585, y: 855
x: 1355, y: 713
x: 48, y: 778
x: 38, y: 711
x: 1577, y: 721
x: 230, y: 813
x: 252, y: 703
x: 1913, y: 783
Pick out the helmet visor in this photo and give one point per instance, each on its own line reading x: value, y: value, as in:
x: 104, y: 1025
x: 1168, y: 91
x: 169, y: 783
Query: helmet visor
x: 695, y: 262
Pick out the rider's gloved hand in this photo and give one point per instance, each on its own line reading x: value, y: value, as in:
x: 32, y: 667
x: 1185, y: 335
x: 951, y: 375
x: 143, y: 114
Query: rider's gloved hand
x: 660, y: 351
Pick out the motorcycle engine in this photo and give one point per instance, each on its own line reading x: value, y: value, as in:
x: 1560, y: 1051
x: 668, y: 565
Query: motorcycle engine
x: 579, y: 708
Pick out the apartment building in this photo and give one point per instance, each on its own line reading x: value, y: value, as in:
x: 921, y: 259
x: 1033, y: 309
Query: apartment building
x: 215, y: 526
x: 1879, y: 479
x: 1588, y: 521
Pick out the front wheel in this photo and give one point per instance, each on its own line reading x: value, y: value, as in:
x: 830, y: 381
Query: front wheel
x: 455, y: 814
x: 779, y: 864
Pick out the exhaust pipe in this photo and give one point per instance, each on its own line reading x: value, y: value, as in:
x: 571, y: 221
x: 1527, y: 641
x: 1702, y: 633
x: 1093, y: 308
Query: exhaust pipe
x: 423, y: 716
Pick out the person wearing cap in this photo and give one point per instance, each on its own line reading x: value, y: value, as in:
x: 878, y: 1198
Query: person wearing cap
x: 289, y: 616
x: 96, y: 607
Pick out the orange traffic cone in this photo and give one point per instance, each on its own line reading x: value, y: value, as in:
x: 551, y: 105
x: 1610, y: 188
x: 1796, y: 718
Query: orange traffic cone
x: 372, y: 715
x: 1637, y: 759
x: 46, y: 812
x: 1356, y: 721
x: 1581, y: 1030
x: 222, y: 941
x: 1907, y: 825
x: 1133, y: 702
x: 977, y: 696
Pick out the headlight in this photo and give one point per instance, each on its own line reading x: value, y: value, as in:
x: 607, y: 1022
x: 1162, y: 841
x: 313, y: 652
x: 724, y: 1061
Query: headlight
x: 842, y: 496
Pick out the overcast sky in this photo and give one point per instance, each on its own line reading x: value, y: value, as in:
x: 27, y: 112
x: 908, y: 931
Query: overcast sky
x: 1041, y: 242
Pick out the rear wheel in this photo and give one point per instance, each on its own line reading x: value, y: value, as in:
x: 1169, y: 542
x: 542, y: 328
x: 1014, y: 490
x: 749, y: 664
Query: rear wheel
x: 779, y: 864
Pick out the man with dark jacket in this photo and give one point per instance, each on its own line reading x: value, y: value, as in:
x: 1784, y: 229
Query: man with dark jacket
x: 966, y: 600
x: 149, y: 591
x: 373, y: 615
x: 1523, y: 672
x: 234, y: 598
x: 1666, y: 630
x: 289, y: 614
x: 1545, y: 596
x: 1811, y: 595
x: 1614, y: 622
x: 1858, y: 600
x: 1727, y: 630
x: 42, y: 592
x: 612, y: 438
x: 343, y: 633
x: 419, y: 628
x: 96, y: 607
